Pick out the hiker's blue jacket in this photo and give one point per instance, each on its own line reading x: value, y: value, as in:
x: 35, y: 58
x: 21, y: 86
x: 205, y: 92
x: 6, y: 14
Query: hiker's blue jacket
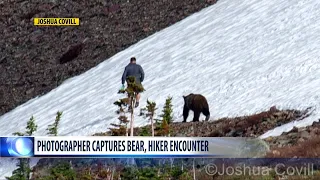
x: 135, y: 70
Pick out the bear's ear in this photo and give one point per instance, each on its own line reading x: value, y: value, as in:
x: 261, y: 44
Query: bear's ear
x: 184, y: 96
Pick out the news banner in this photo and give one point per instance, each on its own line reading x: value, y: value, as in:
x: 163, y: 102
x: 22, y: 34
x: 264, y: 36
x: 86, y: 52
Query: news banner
x: 114, y: 147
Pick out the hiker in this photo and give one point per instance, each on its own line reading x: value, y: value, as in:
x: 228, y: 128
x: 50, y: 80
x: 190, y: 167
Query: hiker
x: 133, y: 69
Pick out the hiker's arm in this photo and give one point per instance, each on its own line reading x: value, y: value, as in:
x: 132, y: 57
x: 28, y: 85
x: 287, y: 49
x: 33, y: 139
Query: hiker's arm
x: 142, y: 74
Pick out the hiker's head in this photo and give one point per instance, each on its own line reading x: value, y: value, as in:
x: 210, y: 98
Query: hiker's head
x: 133, y: 60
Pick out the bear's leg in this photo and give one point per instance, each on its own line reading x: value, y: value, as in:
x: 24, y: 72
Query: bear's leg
x: 196, y: 116
x: 185, y: 113
x: 206, y: 112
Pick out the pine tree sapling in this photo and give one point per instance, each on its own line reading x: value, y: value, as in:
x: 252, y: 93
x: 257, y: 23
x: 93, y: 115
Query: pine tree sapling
x: 22, y: 172
x: 167, y: 111
x: 30, y: 129
x: 132, y: 90
x: 133, y: 87
x: 151, y: 108
x: 120, y: 129
x: 53, y: 128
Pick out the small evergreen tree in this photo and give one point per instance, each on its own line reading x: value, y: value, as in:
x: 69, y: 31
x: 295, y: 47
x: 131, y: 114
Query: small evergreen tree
x: 120, y: 129
x: 151, y: 108
x: 167, y: 111
x: 30, y: 129
x: 163, y: 125
x: 132, y: 90
x: 53, y: 128
x: 23, y: 171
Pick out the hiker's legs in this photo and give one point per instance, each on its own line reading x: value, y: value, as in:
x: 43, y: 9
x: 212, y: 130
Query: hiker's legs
x: 137, y: 97
x: 129, y: 103
x: 129, y: 100
x: 137, y: 100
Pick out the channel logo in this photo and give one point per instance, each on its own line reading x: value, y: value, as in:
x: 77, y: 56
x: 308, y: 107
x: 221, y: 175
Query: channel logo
x: 17, y: 147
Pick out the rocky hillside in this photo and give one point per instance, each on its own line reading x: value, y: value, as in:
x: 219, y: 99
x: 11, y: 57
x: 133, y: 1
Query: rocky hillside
x: 296, y: 136
x: 299, y: 142
x: 34, y: 60
x: 246, y: 126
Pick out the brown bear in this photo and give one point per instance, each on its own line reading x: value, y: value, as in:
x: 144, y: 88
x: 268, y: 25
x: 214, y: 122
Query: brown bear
x: 198, y: 104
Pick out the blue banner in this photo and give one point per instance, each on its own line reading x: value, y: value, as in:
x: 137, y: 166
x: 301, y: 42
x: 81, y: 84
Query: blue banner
x: 17, y: 146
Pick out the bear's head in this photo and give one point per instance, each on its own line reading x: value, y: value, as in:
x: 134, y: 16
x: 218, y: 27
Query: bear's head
x: 184, y: 97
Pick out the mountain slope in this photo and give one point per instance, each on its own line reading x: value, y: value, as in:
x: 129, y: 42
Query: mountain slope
x: 244, y: 57
x: 35, y: 60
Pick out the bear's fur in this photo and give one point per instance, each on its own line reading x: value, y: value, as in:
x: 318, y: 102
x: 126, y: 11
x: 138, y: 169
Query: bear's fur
x: 198, y: 104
